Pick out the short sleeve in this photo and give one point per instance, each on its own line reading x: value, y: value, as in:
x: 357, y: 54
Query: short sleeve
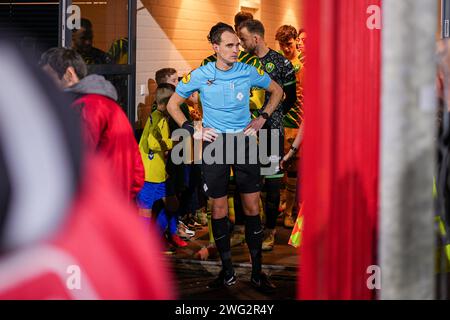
x: 259, y: 78
x: 189, y: 84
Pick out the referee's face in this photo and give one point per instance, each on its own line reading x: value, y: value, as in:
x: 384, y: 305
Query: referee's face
x: 228, y: 49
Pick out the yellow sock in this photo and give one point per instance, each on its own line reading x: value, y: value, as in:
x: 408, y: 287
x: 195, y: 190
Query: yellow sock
x: 211, y: 237
x: 231, y: 212
x: 208, y: 215
x: 262, y: 213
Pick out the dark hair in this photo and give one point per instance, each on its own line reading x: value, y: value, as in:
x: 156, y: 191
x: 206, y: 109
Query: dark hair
x: 286, y: 33
x: 253, y: 26
x: 216, y: 31
x: 163, y: 93
x: 241, y: 17
x: 300, y: 31
x: 59, y: 59
x: 162, y: 74
x: 86, y: 24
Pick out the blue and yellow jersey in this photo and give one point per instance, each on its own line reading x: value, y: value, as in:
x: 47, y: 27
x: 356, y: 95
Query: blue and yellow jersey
x: 155, y: 141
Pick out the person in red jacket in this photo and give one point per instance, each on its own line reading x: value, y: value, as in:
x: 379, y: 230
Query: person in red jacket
x: 65, y: 231
x: 106, y: 127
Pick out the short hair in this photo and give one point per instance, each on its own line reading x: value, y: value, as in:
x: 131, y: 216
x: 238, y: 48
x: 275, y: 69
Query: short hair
x: 60, y: 59
x: 215, y: 34
x: 300, y: 31
x: 241, y: 17
x: 163, y: 93
x: 286, y: 33
x: 162, y: 74
x: 86, y: 24
x: 253, y: 26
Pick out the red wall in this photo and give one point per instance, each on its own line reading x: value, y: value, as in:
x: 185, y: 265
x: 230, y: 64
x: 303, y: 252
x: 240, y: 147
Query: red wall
x: 341, y: 150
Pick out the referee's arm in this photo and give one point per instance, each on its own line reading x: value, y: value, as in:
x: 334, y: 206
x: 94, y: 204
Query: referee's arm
x: 173, y: 107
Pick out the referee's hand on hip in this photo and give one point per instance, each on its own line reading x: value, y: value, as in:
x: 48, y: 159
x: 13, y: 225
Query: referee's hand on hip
x: 206, y: 134
x: 254, y: 126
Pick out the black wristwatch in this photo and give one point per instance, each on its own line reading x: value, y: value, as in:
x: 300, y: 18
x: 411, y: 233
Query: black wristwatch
x: 265, y: 115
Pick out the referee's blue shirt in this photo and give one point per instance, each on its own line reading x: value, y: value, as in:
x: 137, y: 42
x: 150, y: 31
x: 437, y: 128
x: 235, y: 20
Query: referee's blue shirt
x: 225, y: 95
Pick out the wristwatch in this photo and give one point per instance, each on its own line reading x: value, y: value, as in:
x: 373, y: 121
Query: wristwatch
x: 293, y: 148
x: 265, y: 115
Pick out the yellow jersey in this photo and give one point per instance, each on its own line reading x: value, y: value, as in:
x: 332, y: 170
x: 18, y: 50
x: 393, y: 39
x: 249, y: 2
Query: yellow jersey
x: 155, y: 142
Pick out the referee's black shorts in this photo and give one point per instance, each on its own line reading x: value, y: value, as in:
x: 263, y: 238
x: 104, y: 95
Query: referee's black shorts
x: 235, y: 151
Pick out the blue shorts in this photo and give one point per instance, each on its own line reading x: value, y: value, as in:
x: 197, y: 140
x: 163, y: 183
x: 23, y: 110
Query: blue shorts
x: 152, y: 192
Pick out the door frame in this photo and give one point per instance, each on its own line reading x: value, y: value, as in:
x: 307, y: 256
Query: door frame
x: 129, y: 70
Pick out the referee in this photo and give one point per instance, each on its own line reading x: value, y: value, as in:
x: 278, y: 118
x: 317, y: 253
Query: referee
x: 224, y: 87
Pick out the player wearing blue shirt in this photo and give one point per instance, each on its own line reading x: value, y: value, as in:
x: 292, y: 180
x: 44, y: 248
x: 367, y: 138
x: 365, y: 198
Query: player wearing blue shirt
x: 224, y: 88
x: 224, y: 94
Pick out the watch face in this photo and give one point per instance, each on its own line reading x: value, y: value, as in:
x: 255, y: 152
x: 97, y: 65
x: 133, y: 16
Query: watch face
x: 265, y: 115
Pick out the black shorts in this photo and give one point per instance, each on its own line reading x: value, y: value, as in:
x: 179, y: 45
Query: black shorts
x: 234, y: 151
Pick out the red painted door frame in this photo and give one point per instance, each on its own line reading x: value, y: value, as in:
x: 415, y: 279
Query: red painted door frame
x: 340, y: 161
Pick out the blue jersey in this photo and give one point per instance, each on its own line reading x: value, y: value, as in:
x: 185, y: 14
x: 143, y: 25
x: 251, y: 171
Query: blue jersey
x: 225, y: 95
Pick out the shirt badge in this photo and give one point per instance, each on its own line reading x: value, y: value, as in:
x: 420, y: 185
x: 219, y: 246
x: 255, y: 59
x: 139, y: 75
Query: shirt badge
x: 186, y: 78
x: 270, y: 67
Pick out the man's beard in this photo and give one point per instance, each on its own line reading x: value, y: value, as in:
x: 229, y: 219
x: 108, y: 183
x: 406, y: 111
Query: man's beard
x: 251, y: 50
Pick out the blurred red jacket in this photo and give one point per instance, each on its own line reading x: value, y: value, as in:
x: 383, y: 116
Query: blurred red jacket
x: 107, y: 130
x: 103, y: 251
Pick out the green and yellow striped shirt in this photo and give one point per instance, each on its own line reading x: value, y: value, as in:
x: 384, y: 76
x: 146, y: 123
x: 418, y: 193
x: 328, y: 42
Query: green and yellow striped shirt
x: 294, y: 117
